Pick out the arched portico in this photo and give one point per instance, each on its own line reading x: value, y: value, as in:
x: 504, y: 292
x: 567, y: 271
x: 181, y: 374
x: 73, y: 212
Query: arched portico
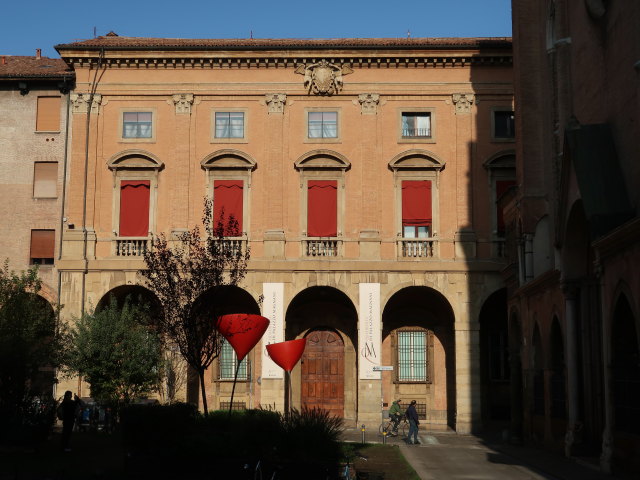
x: 418, y: 342
x: 327, y: 374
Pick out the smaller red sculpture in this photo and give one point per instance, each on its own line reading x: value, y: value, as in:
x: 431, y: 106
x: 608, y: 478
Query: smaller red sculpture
x: 242, y: 330
x: 286, y: 354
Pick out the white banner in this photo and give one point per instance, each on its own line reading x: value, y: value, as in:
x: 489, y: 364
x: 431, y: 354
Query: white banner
x: 273, y: 309
x: 369, y: 338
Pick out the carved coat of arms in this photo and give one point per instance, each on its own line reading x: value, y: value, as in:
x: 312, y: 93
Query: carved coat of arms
x: 323, y: 78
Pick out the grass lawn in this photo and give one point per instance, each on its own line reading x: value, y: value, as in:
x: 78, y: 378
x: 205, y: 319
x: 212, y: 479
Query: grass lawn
x: 379, y: 462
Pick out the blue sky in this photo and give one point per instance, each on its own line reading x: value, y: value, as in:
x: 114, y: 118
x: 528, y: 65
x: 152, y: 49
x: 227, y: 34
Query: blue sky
x: 45, y: 23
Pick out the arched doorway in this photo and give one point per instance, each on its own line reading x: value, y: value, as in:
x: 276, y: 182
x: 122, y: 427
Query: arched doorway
x: 495, y: 371
x: 322, y: 376
x: 625, y: 367
x: 418, y: 340
x: 515, y: 367
x: 557, y: 383
x: 537, y: 382
x: 327, y: 376
x: 136, y: 294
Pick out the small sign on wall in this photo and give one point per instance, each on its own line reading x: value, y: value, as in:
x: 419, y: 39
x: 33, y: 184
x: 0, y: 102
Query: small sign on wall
x: 369, y: 340
x: 383, y: 368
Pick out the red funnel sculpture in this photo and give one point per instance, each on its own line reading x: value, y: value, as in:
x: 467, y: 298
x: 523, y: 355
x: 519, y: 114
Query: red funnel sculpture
x: 242, y: 330
x: 286, y: 354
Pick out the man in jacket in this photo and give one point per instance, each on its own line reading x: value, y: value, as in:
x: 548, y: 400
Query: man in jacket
x: 412, y: 416
x: 395, y: 414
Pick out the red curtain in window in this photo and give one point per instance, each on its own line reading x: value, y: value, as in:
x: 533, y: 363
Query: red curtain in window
x: 227, y: 198
x: 501, y: 187
x: 416, y: 203
x: 134, y: 208
x: 322, y: 208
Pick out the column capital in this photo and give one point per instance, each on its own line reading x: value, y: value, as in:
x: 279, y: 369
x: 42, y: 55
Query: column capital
x: 183, y: 102
x: 463, y: 102
x: 80, y: 102
x: 276, y: 102
x: 369, y: 103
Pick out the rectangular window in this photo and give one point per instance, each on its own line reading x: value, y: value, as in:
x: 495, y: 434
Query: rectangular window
x: 42, y: 247
x: 134, y: 208
x: 137, y: 125
x: 45, y: 180
x: 416, y: 125
x: 504, y: 124
x: 229, y: 125
x: 412, y: 356
x: 48, y: 115
x: 416, y: 209
x: 501, y: 188
x: 322, y: 208
x: 228, y: 205
x: 229, y: 362
x: 323, y: 124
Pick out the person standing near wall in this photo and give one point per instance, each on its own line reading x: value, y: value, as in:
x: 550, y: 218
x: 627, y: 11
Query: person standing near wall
x: 412, y: 416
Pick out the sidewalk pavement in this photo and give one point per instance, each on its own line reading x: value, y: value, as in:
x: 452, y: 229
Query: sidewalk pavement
x: 451, y: 456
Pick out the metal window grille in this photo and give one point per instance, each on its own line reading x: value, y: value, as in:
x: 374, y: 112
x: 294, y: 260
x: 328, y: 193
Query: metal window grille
x: 412, y: 356
x: 421, y: 409
x: 236, y: 406
x: 228, y: 362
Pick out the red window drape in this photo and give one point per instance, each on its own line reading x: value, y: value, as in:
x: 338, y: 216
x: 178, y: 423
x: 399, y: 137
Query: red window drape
x: 416, y: 203
x: 501, y: 187
x: 227, y: 201
x: 322, y: 208
x: 134, y: 208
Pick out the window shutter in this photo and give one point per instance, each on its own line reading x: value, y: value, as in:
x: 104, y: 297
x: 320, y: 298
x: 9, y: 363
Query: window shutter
x: 501, y: 187
x: 134, y: 208
x: 42, y: 243
x: 48, y: 115
x: 416, y: 203
x: 45, y: 179
x: 322, y: 208
x: 227, y: 201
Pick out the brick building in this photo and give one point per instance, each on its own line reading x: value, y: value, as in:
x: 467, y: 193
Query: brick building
x: 364, y: 174
x: 573, y: 229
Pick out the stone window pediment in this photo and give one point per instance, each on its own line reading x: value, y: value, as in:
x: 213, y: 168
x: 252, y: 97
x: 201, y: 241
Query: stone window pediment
x: 135, y: 160
x: 228, y: 159
x: 416, y: 160
x: 501, y: 160
x: 322, y: 160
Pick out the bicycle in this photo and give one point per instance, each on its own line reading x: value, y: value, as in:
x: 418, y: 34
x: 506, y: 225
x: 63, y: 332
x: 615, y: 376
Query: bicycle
x: 387, y: 426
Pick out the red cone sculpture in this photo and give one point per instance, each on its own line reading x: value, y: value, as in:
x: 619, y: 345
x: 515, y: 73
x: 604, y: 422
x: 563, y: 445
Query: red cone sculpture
x: 242, y: 330
x: 286, y: 354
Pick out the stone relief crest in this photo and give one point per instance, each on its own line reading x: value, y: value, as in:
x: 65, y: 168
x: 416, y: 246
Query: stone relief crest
x: 323, y: 78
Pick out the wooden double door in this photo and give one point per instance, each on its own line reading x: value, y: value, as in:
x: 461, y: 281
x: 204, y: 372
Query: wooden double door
x: 323, y: 372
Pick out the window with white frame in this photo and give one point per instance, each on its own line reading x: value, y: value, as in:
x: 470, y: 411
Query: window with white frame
x: 416, y: 124
x: 228, y: 363
x: 137, y: 125
x: 229, y: 125
x: 322, y: 124
x: 412, y: 355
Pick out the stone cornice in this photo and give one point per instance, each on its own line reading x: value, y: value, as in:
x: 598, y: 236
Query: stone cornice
x: 241, y: 60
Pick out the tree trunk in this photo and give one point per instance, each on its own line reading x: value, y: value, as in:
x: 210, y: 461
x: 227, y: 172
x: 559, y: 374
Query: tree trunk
x: 204, y: 394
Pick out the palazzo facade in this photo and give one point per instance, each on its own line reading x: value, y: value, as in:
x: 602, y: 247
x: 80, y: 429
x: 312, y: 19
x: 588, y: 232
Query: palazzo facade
x: 364, y: 175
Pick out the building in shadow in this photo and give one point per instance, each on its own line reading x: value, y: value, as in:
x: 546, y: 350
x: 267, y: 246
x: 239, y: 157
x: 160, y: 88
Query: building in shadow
x: 573, y: 229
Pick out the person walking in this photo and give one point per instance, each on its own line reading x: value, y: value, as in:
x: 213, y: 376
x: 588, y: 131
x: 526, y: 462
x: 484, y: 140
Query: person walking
x: 412, y: 416
x: 67, y: 412
x: 395, y: 413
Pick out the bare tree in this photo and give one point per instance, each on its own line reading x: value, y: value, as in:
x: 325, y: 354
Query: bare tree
x: 186, y: 275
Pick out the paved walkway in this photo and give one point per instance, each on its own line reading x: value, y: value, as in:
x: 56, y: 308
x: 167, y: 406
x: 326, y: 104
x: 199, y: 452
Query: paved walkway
x: 453, y: 456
